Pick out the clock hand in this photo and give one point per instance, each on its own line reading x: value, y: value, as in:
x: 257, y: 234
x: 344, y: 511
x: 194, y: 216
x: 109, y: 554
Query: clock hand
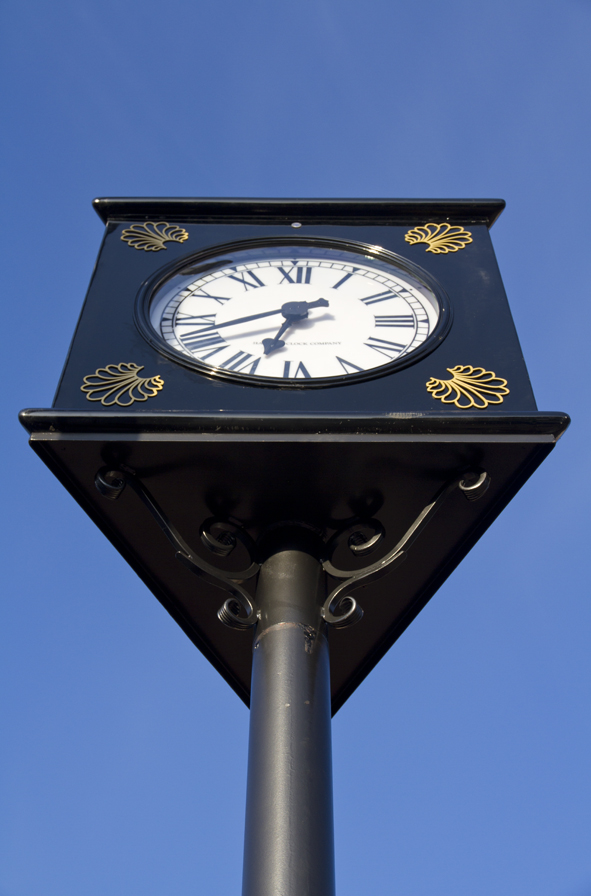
x: 269, y: 345
x: 296, y: 310
x: 240, y: 320
x: 299, y: 310
x: 292, y: 311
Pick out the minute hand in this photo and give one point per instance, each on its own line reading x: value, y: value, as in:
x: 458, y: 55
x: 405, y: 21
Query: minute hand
x: 287, y: 310
x: 241, y: 320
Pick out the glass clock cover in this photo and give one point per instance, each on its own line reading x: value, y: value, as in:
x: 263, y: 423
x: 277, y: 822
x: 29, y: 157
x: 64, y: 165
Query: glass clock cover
x: 304, y: 312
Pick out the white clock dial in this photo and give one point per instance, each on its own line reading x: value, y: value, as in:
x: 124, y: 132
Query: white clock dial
x: 294, y: 312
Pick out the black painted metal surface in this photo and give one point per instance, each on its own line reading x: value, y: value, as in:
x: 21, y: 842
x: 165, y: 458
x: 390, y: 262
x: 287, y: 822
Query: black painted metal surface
x: 482, y: 333
x: 319, y: 471
x: 287, y: 210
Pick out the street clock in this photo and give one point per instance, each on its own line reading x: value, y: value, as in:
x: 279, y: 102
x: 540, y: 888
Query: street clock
x: 294, y: 418
x: 296, y: 307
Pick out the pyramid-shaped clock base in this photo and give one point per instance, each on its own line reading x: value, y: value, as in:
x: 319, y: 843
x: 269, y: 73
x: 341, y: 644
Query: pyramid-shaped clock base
x: 321, y: 472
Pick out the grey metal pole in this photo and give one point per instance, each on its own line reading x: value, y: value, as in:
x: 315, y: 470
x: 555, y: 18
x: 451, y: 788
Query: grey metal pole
x: 289, y: 838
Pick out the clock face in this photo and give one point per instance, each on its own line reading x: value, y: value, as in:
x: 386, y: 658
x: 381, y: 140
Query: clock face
x: 295, y: 313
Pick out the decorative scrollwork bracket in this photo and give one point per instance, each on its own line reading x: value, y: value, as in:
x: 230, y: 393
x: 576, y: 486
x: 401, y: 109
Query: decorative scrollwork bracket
x: 239, y: 610
x: 340, y: 609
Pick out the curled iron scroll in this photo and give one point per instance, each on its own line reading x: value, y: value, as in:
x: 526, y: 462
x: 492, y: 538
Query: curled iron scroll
x: 340, y: 609
x: 238, y: 611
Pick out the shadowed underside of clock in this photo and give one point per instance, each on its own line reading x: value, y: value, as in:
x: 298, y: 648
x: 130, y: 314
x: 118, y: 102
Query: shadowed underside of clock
x: 322, y: 473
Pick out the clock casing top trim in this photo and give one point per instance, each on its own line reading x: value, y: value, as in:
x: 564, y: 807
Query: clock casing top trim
x: 317, y: 210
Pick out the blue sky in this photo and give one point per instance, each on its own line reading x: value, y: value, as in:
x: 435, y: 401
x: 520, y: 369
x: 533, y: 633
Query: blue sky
x: 462, y: 764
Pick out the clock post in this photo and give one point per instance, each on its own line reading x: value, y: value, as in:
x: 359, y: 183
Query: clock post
x: 289, y: 839
x: 330, y: 396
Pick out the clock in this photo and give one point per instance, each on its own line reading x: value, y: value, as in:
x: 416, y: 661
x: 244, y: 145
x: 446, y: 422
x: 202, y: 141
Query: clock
x: 253, y: 361
x: 296, y: 307
x: 298, y: 312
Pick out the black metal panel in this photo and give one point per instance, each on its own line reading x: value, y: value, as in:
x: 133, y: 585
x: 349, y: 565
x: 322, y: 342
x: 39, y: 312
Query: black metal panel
x: 334, y: 426
x: 275, y: 470
x: 482, y: 333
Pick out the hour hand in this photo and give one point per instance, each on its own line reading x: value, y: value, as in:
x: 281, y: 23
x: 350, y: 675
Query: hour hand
x: 292, y: 312
x: 269, y: 345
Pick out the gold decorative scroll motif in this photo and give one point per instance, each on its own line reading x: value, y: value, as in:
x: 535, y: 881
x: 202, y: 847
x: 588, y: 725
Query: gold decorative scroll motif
x: 469, y: 387
x: 151, y: 236
x: 120, y: 384
x: 440, y: 238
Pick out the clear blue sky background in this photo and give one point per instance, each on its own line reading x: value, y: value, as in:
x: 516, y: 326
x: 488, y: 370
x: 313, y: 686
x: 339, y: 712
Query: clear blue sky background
x: 462, y: 765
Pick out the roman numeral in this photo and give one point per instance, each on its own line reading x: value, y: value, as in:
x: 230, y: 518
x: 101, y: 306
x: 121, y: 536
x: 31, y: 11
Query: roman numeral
x: 303, y: 274
x: 385, y: 347
x: 196, y: 343
x: 182, y: 317
x: 345, y: 278
x: 347, y: 366
x: 247, y: 278
x: 300, y: 371
x: 240, y: 361
x: 203, y: 294
x: 394, y: 320
x: 207, y: 322
x: 378, y: 297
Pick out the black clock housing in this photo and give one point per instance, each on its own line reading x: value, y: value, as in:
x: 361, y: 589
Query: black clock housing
x: 482, y: 333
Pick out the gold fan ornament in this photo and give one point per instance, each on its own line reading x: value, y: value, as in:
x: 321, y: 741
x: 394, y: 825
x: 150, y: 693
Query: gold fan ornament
x: 112, y: 384
x: 469, y: 387
x: 152, y: 236
x: 440, y: 238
